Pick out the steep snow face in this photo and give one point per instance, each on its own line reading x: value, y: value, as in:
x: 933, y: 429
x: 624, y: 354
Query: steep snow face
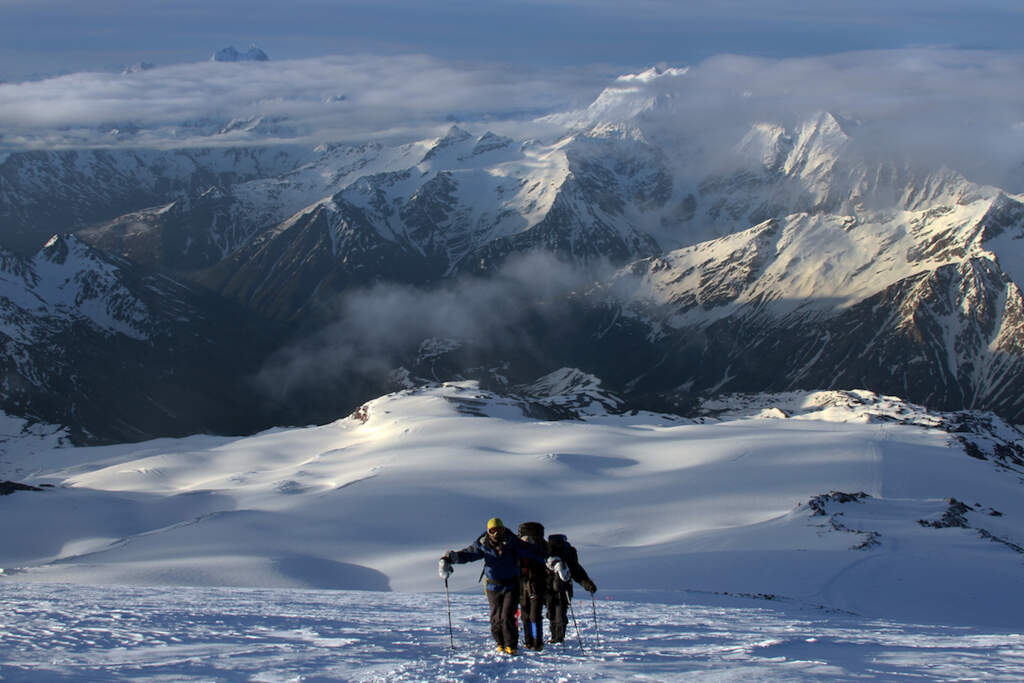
x: 816, y: 261
x: 75, y: 281
x: 1002, y: 233
x: 68, y: 280
x: 831, y: 499
x: 624, y: 102
x: 464, y: 193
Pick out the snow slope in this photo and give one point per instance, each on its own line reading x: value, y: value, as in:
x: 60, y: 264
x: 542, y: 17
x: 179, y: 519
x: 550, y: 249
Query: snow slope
x: 653, y: 502
x: 720, y: 545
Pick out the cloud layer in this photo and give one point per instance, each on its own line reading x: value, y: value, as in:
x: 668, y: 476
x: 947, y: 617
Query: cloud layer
x: 379, y: 327
x: 958, y: 108
x: 329, y: 98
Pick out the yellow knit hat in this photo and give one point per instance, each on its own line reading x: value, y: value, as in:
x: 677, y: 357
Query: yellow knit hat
x: 493, y: 522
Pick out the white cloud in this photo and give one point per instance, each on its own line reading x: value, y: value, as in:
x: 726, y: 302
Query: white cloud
x: 338, y: 97
x: 382, y: 325
x: 934, y: 107
x: 959, y: 108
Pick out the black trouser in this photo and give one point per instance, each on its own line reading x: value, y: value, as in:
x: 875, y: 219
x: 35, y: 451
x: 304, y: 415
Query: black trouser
x: 558, y: 606
x: 503, y: 616
x: 531, y: 611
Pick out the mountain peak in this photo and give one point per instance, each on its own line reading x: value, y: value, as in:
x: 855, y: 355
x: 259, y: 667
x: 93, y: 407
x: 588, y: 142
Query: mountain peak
x: 654, y: 73
x: 230, y: 54
x: 138, y: 67
x: 57, y: 248
x: 454, y: 137
x: 627, y: 98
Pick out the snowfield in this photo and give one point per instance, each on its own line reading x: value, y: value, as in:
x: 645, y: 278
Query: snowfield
x: 790, y: 537
x: 87, y: 633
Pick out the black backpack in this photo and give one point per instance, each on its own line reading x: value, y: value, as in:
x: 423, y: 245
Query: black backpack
x: 558, y: 544
x: 533, y: 531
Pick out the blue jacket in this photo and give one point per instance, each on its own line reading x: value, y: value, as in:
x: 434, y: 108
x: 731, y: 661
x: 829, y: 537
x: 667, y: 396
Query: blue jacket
x: 501, y: 560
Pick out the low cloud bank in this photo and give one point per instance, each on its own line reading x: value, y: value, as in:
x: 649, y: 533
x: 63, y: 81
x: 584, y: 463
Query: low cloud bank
x: 942, y: 107
x: 929, y: 107
x: 335, y: 98
x: 379, y: 327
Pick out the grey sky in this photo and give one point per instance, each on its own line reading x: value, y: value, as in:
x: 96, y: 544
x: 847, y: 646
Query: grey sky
x: 46, y: 36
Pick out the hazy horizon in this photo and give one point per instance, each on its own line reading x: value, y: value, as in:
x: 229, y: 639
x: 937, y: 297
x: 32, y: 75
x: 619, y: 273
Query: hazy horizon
x: 40, y: 37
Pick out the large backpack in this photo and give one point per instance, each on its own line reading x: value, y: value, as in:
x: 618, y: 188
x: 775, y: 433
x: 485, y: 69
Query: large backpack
x: 559, y: 546
x: 534, y: 572
x: 533, y: 531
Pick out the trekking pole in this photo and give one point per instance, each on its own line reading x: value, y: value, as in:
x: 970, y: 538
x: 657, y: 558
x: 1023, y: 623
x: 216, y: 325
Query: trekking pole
x: 593, y: 604
x: 451, y: 634
x: 573, y: 613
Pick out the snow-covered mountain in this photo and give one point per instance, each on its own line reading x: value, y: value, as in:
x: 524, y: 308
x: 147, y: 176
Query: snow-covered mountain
x: 92, y: 342
x: 767, y: 383
x: 773, y: 255
x: 46, y: 193
x: 230, y: 54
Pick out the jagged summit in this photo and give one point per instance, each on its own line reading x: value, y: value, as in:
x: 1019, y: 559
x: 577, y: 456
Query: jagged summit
x: 449, y: 142
x: 653, y: 74
x: 138, y: 67
x: 230, y: 54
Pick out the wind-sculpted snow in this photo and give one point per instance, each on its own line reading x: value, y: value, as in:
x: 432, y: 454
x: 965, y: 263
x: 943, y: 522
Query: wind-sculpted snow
x: 82, y: 633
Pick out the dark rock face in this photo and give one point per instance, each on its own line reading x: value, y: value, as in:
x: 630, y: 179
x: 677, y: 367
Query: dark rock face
x: 819, y: 504
x: 287, y: 273
x: 117, y: 353
x: 9, y: 487
x: 46, y: 193
x: 187, y: 235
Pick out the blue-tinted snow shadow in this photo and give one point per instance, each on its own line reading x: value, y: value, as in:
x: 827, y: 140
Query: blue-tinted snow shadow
x: 316, y: 572
x: 590, y: 464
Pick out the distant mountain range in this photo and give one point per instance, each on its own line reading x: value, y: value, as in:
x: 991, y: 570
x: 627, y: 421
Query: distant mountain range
x: 797, y: 258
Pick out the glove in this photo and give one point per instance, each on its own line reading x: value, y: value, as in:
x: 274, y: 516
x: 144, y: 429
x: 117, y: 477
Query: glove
x: 444, y: 568
x: 589, y: 586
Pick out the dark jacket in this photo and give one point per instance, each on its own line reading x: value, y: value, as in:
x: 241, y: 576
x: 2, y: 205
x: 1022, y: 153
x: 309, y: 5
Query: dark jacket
x: 560, y: 547
x: 501, y: 559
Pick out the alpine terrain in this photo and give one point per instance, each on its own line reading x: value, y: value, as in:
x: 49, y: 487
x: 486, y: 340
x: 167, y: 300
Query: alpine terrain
x: 764, y: 369
x: 798, y: 256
